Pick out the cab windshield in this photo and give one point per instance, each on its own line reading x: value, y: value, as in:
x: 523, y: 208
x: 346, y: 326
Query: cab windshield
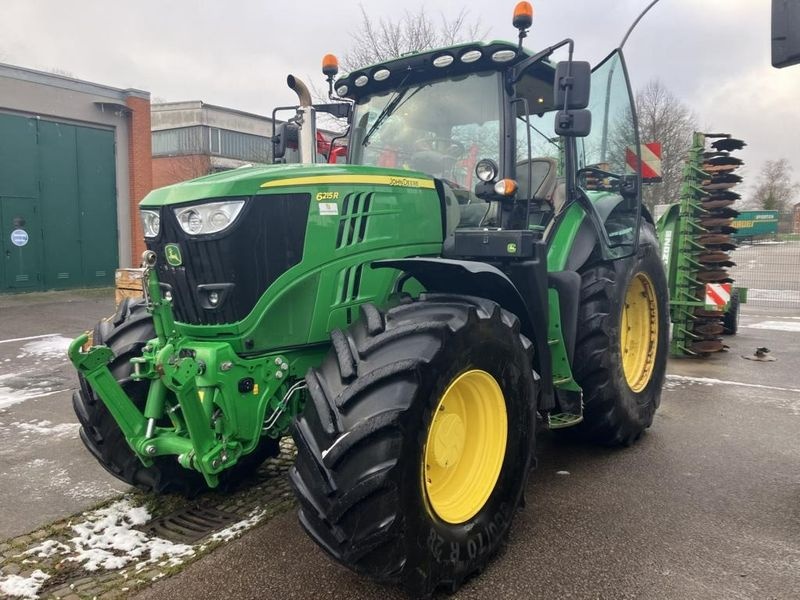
x: 442, y: 128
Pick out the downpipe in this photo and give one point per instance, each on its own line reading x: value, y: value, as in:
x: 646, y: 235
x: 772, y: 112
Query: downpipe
x: 307, y: 120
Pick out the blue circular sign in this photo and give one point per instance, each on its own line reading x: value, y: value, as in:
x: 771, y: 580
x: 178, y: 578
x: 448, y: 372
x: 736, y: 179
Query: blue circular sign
x: 19, y: 237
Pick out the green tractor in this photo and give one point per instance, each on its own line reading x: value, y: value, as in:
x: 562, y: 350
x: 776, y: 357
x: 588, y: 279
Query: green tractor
x: 411, y: 317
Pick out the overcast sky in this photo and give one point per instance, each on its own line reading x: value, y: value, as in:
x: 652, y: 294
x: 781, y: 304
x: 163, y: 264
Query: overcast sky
x: 713, y: 54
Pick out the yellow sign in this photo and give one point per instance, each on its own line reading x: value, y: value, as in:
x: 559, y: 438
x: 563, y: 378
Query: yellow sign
x: 327, y: 196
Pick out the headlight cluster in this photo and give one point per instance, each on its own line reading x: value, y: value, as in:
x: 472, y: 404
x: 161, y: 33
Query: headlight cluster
x: 151, y: 223
x: 202, y: 219
x: 486, y: 169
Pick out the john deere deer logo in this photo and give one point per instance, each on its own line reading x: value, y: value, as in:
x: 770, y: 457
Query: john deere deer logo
x: 173, y: 254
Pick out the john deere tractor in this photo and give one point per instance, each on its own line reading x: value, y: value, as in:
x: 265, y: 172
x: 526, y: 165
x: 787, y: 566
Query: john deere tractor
x: 480, y: 267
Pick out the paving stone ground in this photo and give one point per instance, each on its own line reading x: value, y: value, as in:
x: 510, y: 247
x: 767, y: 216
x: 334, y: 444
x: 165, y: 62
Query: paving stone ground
x: 55, y: 550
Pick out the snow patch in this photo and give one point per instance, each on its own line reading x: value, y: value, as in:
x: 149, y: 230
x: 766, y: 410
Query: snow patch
x: 48, y: 348
x: 46, y: 428
x: 562, y: 472
x: 790, y: 296
x: 792, y: 402
x: 231, y: 532
x: 47, y: 549
x: 23, y: 587
x: 10, y: 396
x: 107, y: 540
x: 776, y: 326
x: 711, y: 381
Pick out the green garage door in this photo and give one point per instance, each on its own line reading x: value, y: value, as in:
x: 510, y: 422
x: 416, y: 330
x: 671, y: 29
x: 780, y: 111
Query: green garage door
x: 58, y: 213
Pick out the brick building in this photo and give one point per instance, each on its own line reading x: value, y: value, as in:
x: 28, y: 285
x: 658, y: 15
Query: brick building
x: 75, y: 160
x: 191, y: 139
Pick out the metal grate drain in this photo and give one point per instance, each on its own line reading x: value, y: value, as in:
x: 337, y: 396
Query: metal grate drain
x: 189, y: 525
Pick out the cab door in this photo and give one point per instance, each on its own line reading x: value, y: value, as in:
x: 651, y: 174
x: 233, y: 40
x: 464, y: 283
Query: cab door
x: 609, y: 155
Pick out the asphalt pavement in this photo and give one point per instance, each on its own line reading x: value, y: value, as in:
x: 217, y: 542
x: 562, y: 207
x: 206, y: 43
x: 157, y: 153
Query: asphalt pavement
x: 46, y: 472
x: 707, y: 505
x: 771, y: 271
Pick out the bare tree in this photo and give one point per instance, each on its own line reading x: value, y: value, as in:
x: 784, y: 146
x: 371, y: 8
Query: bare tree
x: 663, y: 118
x: 775, y: 189
x: 376, y: 40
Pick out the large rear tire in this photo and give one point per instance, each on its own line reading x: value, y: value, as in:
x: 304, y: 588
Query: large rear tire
x: 415, y: 446
x: 730, y: 321
x: 125, y: 334
x: 621, y: 350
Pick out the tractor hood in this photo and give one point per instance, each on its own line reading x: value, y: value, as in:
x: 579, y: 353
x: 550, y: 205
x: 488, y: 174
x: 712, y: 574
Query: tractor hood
x: 251, y: 181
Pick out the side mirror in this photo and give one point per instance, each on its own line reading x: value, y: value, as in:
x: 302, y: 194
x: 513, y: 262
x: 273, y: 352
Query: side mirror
x: 573, y: 88
x: 573, y: 123
x: 286, y: 134
x: 785, y: 33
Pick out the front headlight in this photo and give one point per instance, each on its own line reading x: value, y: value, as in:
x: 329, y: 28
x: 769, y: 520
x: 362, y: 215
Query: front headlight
x: 151, y: 223
x: 213, y: 217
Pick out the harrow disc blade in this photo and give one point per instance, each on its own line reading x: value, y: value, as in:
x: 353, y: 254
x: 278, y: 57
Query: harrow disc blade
x: 725, y: 195
x: 709, y: 222
x: 725, y: 178
x: 709, y: 329
x: 728, y: 144
x: 713, y: 276
x: 710, y: 239
x: 706, y: 346
x: 724, y: 213
x: 723, y: 247
x: 708, y: 314
x: 722, y: 159
x: 711, y: 203
x: 722, y: 185
x: 711, y: 258
x: 714, y: 169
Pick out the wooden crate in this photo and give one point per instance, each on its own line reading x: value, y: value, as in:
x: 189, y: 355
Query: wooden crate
x: 128, y: 284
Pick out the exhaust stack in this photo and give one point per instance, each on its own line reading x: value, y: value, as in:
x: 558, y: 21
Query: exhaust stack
x: 307, y: 121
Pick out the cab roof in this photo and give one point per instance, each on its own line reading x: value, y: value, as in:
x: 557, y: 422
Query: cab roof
x: 432, y: 64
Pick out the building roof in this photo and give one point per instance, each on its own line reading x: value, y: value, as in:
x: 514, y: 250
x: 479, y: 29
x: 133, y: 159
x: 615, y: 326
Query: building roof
x: 69, y: 83
x: 174, y: 115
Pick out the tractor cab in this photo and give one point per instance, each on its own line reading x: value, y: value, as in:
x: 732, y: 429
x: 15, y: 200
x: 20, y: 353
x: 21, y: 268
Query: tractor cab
x: 506, y: 133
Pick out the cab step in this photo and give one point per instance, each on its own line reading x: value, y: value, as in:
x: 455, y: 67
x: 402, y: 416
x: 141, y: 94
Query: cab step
x: 561, y: 420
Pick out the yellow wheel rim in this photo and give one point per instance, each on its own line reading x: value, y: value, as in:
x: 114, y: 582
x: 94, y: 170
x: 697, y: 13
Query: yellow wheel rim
x: 465, y: 447
x: 639, y: 332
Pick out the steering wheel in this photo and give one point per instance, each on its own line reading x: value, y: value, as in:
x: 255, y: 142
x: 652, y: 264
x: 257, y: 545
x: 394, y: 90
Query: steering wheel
x: 597, y: 171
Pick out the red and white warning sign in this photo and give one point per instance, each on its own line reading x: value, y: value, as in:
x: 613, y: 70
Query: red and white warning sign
x: 650, y: 165
x: 717, y: 295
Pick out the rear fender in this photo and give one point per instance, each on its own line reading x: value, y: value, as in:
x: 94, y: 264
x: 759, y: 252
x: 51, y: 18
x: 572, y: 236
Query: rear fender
x: 586, y: 239
x: 472, y: 278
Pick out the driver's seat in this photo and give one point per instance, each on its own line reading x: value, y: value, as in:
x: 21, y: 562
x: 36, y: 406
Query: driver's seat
x: 543, y: 174
x: 536, y: 180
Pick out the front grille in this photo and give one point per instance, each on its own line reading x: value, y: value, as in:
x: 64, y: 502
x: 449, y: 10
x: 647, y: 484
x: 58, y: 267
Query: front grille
x: 266, y: 240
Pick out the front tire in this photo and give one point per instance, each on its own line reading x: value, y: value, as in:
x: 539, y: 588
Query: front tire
x: 621, y: 351
x: 415, y: 446
x: 125, y: 334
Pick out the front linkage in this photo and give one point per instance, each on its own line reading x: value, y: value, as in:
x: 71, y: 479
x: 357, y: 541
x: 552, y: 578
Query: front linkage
x: 205, y: 404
